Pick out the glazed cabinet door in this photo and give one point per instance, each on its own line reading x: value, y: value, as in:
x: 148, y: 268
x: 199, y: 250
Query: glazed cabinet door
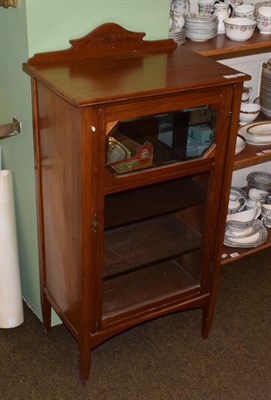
x: 163, y: 163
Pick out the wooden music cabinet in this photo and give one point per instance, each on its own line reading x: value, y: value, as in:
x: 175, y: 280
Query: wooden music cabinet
x: 134, y: 147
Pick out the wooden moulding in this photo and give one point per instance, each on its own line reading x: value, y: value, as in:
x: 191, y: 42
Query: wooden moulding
x: 107, y: 39
x: 7, y: 3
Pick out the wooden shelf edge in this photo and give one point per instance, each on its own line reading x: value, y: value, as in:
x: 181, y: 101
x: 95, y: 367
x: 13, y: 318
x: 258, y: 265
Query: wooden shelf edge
x: 222, y: 47
x: 240, y: 252
x: 112, y: 327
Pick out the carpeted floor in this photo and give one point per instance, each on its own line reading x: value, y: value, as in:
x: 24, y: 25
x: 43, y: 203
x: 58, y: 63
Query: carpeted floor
x: 165, y: 359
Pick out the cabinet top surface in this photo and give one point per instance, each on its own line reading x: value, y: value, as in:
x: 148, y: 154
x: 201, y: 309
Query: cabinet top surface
x: 111, y: 64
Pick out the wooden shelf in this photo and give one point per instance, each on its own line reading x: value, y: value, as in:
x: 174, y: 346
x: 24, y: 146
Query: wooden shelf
x: 143, y: 286
x: 137, y: 245
x: 137, y: 204
x: 240, y: 252
x: 221, y: 47
x: 252, y: 155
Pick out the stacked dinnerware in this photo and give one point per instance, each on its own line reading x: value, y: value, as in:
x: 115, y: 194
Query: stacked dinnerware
x: 200, y: 27
x: 265, y: 88
x: 176, y: 27
x: 260, y: 181
x: 243, y: 228
x: 258, y: 133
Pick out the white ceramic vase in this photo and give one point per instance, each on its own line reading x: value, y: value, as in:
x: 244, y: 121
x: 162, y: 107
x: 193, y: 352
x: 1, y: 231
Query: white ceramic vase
x: 222, y: 11
x: 11, y: 305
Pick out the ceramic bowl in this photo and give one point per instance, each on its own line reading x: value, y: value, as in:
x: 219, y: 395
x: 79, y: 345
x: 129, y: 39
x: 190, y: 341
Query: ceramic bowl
x: 247, y: 94
x: 266, y: 210
x: 239, y: 29
x: 263, y: 19
x: 243, y: 219
x: 248, y: 113
x: 245, y: 11
x: 264, y: 11
x: 266, y: 215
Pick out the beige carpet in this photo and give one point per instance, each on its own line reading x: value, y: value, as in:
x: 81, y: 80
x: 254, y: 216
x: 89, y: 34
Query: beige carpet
x: 165, y: 359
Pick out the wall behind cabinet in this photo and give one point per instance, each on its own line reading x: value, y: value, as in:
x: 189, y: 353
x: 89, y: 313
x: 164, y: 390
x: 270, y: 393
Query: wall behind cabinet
x: 40, y: 26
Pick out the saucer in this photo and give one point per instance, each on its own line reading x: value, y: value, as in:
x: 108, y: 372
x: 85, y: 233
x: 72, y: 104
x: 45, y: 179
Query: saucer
x: 255, y: 238
x: 229, y: 233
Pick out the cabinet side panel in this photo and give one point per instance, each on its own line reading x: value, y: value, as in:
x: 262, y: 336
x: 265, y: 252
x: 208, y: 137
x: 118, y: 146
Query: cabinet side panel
x: 60, y: 185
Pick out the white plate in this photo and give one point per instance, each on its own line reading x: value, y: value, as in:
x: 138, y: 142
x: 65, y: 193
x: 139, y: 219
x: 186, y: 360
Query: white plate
x: 259, y: 178
x: 260, y: 129
x: 117, y: 151
x: 251, y: 241
x: 253, y: 139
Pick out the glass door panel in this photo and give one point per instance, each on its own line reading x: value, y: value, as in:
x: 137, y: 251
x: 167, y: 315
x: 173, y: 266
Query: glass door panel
x: 160, y: 139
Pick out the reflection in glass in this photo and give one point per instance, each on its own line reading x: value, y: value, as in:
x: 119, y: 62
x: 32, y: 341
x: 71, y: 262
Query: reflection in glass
x: 161, y: 139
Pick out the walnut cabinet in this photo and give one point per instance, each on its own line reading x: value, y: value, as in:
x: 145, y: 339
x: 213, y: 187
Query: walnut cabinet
x: 134, y: 146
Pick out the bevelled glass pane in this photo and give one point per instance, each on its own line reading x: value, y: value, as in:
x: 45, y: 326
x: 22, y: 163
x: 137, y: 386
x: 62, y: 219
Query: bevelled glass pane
x: 161, y: 139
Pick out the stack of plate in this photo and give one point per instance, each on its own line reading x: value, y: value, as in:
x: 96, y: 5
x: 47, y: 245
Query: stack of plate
x: 259, y: 180
x: 265, y: 89
x: 178, y: 37
x: 258, y: 134
x: 200, y: 27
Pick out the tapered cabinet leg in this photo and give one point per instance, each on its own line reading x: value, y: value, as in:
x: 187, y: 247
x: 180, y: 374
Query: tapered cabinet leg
x: 84, y: 358
x: 46, y: 313
x: 209, y: 311
x: 207, y: 319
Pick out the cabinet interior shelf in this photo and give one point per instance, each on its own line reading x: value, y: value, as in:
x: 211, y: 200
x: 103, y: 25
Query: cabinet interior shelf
x: 137, y: 245
x: 145, y: 286
x: 141, y: 203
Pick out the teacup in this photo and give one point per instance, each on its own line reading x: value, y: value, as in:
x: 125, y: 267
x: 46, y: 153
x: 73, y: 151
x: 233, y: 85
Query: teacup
x: 254, y: 194
x: 236, y: 204
x: 233, y: 3
x: 252, y: 203
x: 243, y: 219
x: 248, y: 113
x: 246, y: 94
x: 180, y: 6
x: 245, y: 11
x: 257, y: 194
x: 264, y: 194
x: 206, y: 6
x: 266, y: 215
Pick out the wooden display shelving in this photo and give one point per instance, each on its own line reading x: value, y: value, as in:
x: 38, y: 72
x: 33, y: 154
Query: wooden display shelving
x: 221, y: 47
